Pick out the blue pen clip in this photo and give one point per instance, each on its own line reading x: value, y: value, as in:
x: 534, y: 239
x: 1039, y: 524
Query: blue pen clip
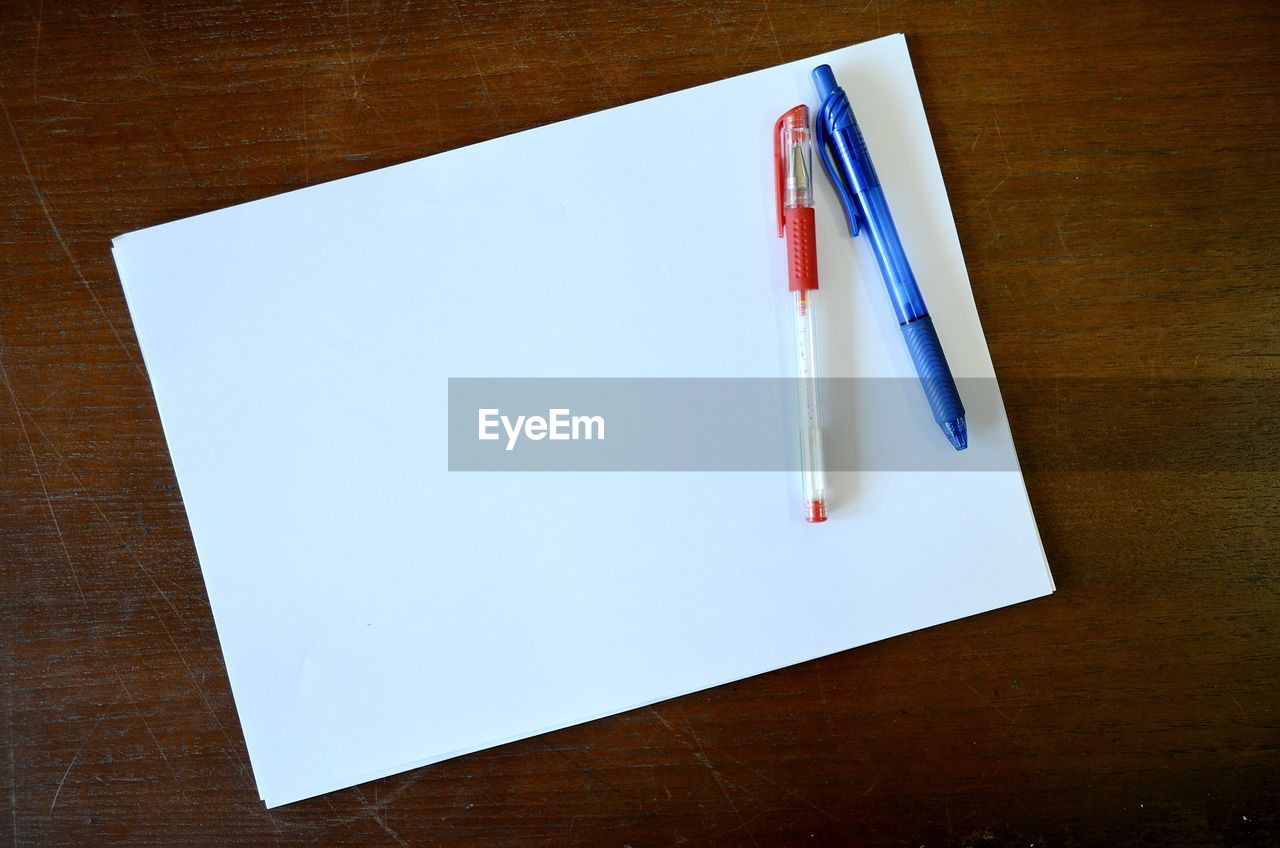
x: 853, y: 214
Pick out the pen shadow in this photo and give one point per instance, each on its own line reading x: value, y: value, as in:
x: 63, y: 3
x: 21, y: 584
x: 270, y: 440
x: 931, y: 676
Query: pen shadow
x: 839, y: 417
x: 910, y: 179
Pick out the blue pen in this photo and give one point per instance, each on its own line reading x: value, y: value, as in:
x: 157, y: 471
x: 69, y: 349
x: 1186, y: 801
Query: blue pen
x: 854, y: 177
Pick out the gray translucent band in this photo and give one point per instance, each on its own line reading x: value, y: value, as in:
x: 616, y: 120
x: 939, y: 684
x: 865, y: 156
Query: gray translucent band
x: 870, y: 425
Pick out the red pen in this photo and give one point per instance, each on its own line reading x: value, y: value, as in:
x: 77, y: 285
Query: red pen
x: 793, y: 164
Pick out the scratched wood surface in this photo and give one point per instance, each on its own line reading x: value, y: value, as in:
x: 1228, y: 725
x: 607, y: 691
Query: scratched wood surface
x: 1115, y: 176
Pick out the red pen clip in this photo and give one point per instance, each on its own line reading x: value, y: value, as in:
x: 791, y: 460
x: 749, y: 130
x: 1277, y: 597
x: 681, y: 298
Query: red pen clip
x: 793, y: 186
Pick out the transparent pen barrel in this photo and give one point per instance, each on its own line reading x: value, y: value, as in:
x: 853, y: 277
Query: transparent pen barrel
x: 812, y: 465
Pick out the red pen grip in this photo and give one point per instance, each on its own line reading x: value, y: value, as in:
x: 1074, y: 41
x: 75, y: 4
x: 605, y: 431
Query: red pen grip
x: 802, y: 248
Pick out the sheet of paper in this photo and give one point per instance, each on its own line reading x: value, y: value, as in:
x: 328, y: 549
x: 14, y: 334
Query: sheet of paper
x: 378, y: 612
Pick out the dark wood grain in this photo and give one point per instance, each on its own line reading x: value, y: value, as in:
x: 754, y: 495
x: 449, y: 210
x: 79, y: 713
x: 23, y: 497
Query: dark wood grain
x: 1115, y: 176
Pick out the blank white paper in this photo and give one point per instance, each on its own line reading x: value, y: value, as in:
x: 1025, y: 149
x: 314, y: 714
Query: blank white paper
x: 378, y: 612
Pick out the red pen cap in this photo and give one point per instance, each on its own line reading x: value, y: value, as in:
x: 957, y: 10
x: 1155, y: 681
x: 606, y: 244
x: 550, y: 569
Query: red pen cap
x: 793, y: 186
x: 792, y: 161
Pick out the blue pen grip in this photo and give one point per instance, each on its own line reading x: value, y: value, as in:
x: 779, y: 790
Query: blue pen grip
x: 935, y: 374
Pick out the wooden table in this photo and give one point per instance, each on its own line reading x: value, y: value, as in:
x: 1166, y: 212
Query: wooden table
x: 1114, y: 173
